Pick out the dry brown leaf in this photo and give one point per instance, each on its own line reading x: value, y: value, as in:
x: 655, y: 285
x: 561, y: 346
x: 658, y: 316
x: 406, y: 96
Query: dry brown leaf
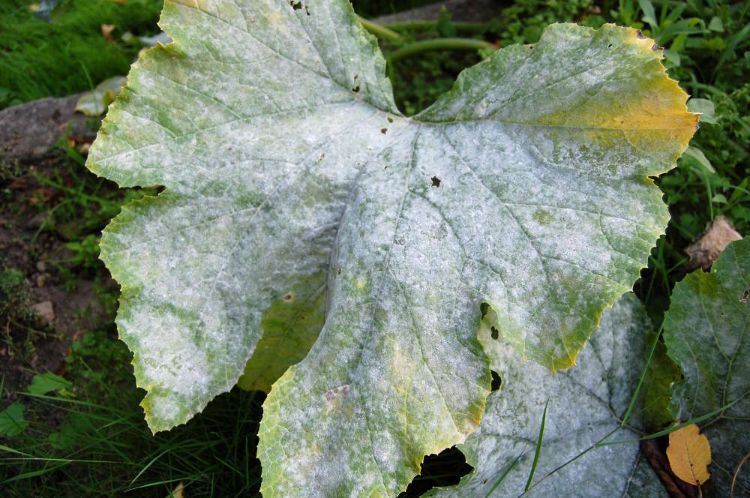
x: 704, y: 251
x: 178, y: 492
x: 107, y: 30
x: 689, y: 455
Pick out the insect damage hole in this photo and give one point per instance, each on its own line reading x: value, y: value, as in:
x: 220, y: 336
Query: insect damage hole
x: 497, y: 381
x: 444, y: 469
x: 296, y: 4
x: 494, y: 333
x: 435, y: 181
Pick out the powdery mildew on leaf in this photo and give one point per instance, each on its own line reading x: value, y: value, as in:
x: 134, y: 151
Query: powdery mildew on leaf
x: 706, y: 332
x: 586, y: 403
x: 273, y: 130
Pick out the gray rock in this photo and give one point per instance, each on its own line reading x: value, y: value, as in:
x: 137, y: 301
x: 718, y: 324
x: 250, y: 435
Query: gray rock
x: 45, y: 310
x: 30, y: 131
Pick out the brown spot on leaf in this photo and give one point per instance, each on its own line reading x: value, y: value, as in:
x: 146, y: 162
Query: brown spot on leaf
x: 337, y: 392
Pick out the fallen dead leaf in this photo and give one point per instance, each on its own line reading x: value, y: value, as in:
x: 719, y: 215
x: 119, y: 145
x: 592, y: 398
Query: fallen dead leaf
x: 689, y: 455
x: 178, y: 492
x: 107, y: 30
x: 704, y: 251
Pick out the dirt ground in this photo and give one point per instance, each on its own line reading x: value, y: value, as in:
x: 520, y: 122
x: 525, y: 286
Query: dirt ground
x: 45, y: 302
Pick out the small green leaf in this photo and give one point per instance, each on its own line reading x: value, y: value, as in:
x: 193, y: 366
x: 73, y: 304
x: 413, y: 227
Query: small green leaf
x: 47, y: 382
x: 698, y: 161
x: 73, y: 432
x: 706, y: 331
x: 649, y: 16
x: 12, y: 421
x: 705, y: 108
x: 719, y: 199
x: 715, y: 24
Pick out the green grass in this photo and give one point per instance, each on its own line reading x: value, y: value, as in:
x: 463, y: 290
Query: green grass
x: 92, y: 441
x: 68, y: 53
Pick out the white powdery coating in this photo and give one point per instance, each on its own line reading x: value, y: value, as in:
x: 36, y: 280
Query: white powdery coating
x: 585, y: 404
x: 706, y: 331
x: 172, y: 357
x: 273, y: 130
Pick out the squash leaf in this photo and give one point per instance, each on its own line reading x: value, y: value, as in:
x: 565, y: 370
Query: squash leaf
x: 585, y: 404
x: 707, y: 332
x: 272, y: 128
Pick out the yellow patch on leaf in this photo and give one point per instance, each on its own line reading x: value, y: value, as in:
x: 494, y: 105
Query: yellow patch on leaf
x: 653, y: 117
x: 689, y: 455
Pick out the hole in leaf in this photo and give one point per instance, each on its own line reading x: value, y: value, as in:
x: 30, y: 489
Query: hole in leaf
x: 484, y: 308
x: 745, y: 296
x: 496, y: 381
x: 384, y: 130
x: 494, y: 332
x: 296, y: 4
x: 355, y: 89
x: 444, y: 469
x: 435, y: 181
